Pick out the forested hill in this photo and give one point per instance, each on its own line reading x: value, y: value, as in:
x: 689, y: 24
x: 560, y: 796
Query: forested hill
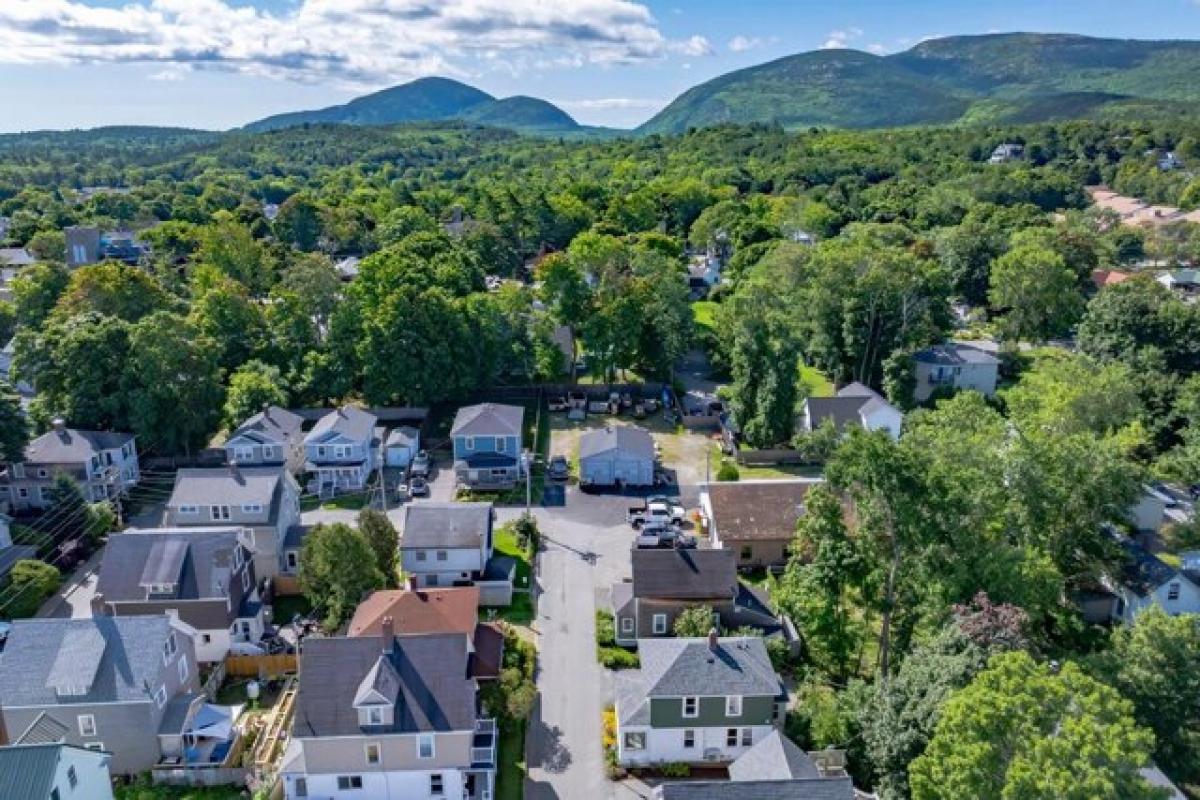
x: 433, y: 99
x: 1014, y: 77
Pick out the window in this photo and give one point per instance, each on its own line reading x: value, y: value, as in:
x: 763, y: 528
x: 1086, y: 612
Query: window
x: 87, y: 725
x: 689, y: 739
x: 246, y: 581
x: 22, y: 492
x: 435, y: 785
x: 170, y: 647
x: 205, y: 638
x: 635, y: 740
x: 660, y: 624
x: 374, y: 716
x: 160, y: 697
x: 470, y: 443
x: 291, y: 559
x: 425, y: 746
x: 183, y: 670
x: 189, y: 509
x: 348, y: 782
x: 251, y: 508
x: 731, y: 737
x: 97, y: 746
x: 243, y: 454
x: 626, y: 624
x: 72, y: 777
x: 747, y: 737
x: 1173, y: 591
x: 268, y: 451
x: 442, y: 555
x: 372, y: 754
x: 219, y: 512
x: 499, y: 473
x: 691, y: 707
x: 422, y: 555
x: 733, y: 706
x: 501, y: 444
x: 55, y: 794
x: 320, y: 451
x: 18, y: 470
x: 747, y: 553
x: 301, y: 787
x: 43, y: 473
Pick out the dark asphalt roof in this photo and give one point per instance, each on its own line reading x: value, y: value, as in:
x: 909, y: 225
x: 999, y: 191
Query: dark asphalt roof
x: 225, y: 486
x: 954, y: 354
x: 199, y: 564
x: 488, y: 419
x: 627, y: 439
x: 294, y: 538
x: 70, y: 446
x: 117, y: 657
x: 808, y: 789
x: 844, y: 411
x: 685, y: 574
x: 1143, y: 572
x: 445, y: 525
x: 9, y: 556
x: 435, y: 691
x: 758, y: 509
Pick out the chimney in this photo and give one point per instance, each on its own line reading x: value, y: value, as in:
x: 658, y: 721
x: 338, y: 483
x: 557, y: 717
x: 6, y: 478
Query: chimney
x: 233, y: 468
x: 714, y: 642
x: 411, y: 583
x: 266, y: 409
x: 59, y: 424
x: 389, y: 635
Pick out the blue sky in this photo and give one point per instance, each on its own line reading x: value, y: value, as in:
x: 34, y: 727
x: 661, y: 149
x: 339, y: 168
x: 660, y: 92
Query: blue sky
x: 221, y: 63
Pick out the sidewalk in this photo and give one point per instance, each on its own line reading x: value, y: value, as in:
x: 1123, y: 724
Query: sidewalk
x: 74, y: 597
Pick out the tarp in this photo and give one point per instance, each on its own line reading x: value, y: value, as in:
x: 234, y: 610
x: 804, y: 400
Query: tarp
x: 214, y: 722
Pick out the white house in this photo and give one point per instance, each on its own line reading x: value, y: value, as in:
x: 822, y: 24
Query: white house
x: 401, y: 447
x: 855, y: 405
x: 956, y: 365
x: 1147, y: 580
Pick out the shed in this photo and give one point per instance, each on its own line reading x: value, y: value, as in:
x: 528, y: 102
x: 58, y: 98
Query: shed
x: 617, y: 455
x: 402, y: 446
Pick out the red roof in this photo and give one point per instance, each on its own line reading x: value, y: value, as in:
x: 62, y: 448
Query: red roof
x: 418, y: 611
x: 1107, y: 277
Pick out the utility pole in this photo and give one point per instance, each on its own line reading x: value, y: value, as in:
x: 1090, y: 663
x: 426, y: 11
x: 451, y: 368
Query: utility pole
x: 527, y: 462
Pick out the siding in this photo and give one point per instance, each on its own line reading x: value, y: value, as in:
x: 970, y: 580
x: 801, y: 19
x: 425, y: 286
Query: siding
x: 668, y: 713
x: 399, y: 752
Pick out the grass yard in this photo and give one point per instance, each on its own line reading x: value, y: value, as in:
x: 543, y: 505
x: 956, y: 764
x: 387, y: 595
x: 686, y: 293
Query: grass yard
x: 704, y: 312
x: 521, y: 610
x: 510, y: 777
x: 343, y: 502
x: 815, y: 381
x: 766, y: 472
x: 284, y: 607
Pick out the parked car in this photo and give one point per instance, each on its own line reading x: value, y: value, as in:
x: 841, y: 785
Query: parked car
x: 420, y: 464
x: 559, y: 469
x: 657, y: 509
x: 655, y: 534
x: 557, y: 404
x: 418, y: 486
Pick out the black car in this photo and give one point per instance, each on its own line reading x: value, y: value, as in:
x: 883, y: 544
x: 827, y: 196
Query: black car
x: 418, y: 486
x: 558, y: 469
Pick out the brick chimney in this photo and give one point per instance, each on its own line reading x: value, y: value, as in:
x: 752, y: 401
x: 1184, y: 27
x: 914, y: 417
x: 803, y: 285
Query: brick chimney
x: 389, y: 635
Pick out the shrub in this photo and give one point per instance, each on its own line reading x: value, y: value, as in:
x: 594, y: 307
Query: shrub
x: 606, y: 629
x: 616, y: 658
x: 728, y: 472
x: 31, y: 583
x: 675, y: 769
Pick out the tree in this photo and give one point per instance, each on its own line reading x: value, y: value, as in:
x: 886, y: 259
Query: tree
x: 36, y: 291
x: 694, y: 622
x: 299, y: 222
x: 1155, y: 664
x: 253, y: 386
x: 14, y: 427
x: 230, y: 247
x: 384, y: 541
x: 233, y: 321
x: 337, y: 570
x: 68, y: 509
x: 8, y: 321
x: 113, y: 289
x: 31, y: 583
x: 1037, y: 293
x: 48, y: 245
x: 1022, y: 729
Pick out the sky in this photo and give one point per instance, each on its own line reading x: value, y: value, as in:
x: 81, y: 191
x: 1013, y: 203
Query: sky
x: 217, y: 64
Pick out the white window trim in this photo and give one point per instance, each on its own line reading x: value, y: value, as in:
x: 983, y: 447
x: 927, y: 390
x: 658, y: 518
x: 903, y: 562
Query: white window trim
x: 160, y: 697
x: 367, y: 753
x: 374, y: 716
x: 189, y: 509
x: 689, y: 732
x: 656, y: 627
x: 97, y: 746
x: 252, y: 508
x: 421, y: 740
x: 90, y: 728
x: 245, y: 580
x: 733, y: 705
x: 469, y: 442
x: 626, y: 624
x: 219, y: 513
x: 683, y: 707
x: 183, y: 670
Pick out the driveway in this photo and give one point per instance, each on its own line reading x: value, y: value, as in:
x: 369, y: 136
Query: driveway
x: 74, y: 598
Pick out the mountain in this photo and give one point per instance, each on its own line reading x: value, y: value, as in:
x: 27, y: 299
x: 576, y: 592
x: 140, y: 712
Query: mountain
x: 432, y: 99
x: 1014, y: 77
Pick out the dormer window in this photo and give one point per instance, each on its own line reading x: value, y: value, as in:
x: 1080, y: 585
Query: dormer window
x: 733, y: 706
x: 219, y: 512
x: 252, y: 508
x: 190, y: 510
x: 500, y: 444
x: 243, y: 454
x: 425, y: 746
x: 691, y: 707
x: 320, y: 451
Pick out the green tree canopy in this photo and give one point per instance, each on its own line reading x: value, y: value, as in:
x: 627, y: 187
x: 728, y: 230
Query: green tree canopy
x: 337, y: 570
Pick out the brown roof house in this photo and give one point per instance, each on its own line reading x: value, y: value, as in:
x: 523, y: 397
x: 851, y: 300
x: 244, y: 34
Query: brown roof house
x: 668, y: 582
x: 756, y: 520
x: 414, y: 612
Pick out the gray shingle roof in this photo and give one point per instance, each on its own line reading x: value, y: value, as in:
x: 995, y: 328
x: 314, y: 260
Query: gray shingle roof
x: 685, y: 574
x: 16, y: 257
x: 844, y: 411
x: 349, y: 421
x: 28, y: 771
x: 1143, y: 572
x: 808, y: 789
x: 44, y: 730
x: 70, y: 446
x: 447, y: 525
x: 758, y: 509
x: 273, y: 424
x: 773, y: 758
x: 630, y: 440
x: 199, y: 563
x: 435, y: 693
x: 678, y: 667
x: 119, y: 655
x: 952, y: 354
x: 225, y: 486
x: 488, y: 419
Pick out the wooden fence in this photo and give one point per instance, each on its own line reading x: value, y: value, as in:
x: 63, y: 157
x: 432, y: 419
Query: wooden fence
x: 285, y: 586
x: 775, y: 457
x: 259, y: 666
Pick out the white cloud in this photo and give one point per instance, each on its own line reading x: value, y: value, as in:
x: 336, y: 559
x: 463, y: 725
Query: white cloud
x: 354, y: 42
x: 610, y: 103
x: 876, y: 48
x: 740, y: 44
x: 841, y: 38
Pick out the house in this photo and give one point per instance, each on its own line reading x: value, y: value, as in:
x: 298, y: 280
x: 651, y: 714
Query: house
x: 697, y: 701
x: 773, y: 769
x: 956, y: 365
x: 263, y: 500
x: 1149, y: 513
x: 203, y: 578
x: 11, y: 553
x: 347, y: 268
x: 755, y: 520
x: 402, y: 446
x: 487, y: 445
x: 1146, y: 580
x: 1183, y: 281
x: 1168, y: 162
x: 16, y: 257
x: 289, y: 550
x: 667, y: 582
x: 855, y: 405
x: 388, y: 717
x: 272, y: 437
x: 83, y: 246
x: 86, y: 245
x: 704, y: 272
x: 103, y: 464
x: 54, y: 771
x: 113, y: 684
x: 342, y: 450
x: 450, y: 544
x: 1007, y: 152
x: 419, y: 612
x: 1109, y: 277
x: 616, y: 455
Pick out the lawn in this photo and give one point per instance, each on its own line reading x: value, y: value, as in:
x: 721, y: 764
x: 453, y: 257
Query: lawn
x: 284, y: 607
x: 344, y: 502
x: 704, y: 312
x: 521, y: 610
x: 767, y: 471
x: 510, y: 778
x: 815, y: 381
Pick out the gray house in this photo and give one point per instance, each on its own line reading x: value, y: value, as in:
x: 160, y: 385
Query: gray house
x: 957, y: 366
x: 103, y: 464
x: 272, y: 437
x: 54, y: 772
x: 388, y: 717
x: 263, y: 500
x: 116, y: 684
x: 487, y: 446
x: 450, y: 544
x: 204, y: 577
x: 342, y: 450
x: 854, y: 406
x: 697, y: 701
x: 668, y: 582
x: 616, y: 455
x: 11, y: 553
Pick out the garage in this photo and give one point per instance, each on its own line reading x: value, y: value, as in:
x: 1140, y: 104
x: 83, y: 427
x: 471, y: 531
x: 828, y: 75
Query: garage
x: 402, y: 445
x: 618, y: 455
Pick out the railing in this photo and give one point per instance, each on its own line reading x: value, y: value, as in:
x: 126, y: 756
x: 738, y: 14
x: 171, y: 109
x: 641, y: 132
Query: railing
x: 199, y: 775
x: 483, y: 753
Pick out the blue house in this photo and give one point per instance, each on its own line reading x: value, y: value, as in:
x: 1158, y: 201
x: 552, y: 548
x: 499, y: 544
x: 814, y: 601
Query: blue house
x: 342, y: 450
x: 487, y: 446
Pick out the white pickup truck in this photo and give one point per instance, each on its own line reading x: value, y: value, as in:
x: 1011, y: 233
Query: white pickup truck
x: 658, y: 510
